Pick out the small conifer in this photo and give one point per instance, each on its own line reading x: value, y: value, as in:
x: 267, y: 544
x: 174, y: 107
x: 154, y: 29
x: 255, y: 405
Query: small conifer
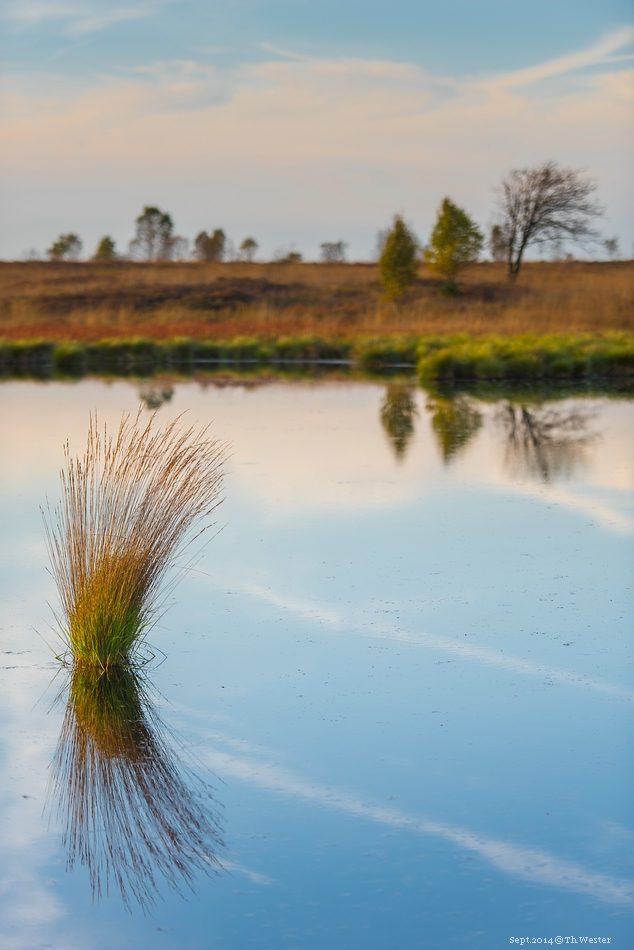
x: 398, y: 265
x: 455, y: 241
x: 106, y: 250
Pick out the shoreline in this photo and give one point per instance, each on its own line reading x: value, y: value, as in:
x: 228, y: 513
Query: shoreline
x: 527, y: 357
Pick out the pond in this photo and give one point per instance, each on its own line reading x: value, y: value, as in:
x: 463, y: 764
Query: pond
x: 393, y: 693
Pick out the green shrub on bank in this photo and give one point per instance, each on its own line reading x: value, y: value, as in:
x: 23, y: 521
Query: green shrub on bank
x: 530, y: 357
x: 309, y: 349
x: 180, y: 349
x: 122, y: 354
x: 25, y: 353
x: 70, y: 358
x: 377, y: 354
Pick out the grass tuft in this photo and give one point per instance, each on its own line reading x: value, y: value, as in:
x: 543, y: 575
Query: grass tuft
x: 127, y: 510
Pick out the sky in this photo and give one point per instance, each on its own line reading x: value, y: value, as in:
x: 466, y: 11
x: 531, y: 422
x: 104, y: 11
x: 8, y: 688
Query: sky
x: 298, y: 122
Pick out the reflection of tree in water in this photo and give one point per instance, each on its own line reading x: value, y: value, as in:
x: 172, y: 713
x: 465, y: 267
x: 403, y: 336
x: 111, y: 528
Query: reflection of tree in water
x: 131, y: 813
x: 455, y: 422
x: 155, y: 393
x: 544, y: 441
x: 398, y: 412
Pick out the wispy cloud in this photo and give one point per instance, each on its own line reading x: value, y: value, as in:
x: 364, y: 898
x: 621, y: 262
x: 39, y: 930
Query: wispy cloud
x: 100, y: 20
x: 83, y: 18
x: 286, y: 54
x: 312, y: 141
x: 595, y: 55
x: 525, y: 863
x: 308, y: 112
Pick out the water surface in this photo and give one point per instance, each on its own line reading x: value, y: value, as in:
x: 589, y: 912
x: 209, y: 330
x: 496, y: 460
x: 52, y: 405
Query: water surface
x: 399, y: 678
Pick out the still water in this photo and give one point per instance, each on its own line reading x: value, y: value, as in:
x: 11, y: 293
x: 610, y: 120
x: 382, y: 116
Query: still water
x: 390, y: 704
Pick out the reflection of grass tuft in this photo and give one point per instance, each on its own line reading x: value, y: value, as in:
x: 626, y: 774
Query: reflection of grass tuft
x: 127, y: 507
x: 131, y: 813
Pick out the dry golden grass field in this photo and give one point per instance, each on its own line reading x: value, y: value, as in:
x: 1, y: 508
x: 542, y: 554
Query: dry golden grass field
x: 90, y: 301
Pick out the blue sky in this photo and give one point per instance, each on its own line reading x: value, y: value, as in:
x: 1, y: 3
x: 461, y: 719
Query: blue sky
x: 300, y: 122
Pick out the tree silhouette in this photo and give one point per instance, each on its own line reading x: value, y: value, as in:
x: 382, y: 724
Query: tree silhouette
x: 333, y: 252
x: 154, y: 237
x: 497, y: 244
x: 66, y: 248
x: 544, y: 205
x: 248, y: 249
x: 210, y: 247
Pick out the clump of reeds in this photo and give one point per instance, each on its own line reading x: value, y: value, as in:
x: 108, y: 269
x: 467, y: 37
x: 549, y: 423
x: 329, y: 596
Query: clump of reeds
x: 128, y: 508
x: 130, y: 812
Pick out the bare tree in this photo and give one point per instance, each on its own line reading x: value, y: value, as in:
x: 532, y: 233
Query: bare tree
x: 287, y: 256
x: 154, y: 239
x: 178, y: 248
x: 333, y: 252
x: 248, y: 249
x: 210, y: 247
x: 66, y: 248
x: 380, y: 242
x: 497, y: 243
x: 543, y: 205
x: 611, y: 246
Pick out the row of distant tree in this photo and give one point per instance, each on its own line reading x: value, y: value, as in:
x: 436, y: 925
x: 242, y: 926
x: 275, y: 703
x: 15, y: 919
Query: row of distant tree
x: 544, y: 205
x: 155, y: 240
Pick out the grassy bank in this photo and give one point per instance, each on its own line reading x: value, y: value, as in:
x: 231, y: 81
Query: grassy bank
x: 458, y: 356
x: 87, y: 302
x: 528, y: 357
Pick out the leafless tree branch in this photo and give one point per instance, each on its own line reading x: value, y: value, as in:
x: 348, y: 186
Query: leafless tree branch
x: 544, y: 205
